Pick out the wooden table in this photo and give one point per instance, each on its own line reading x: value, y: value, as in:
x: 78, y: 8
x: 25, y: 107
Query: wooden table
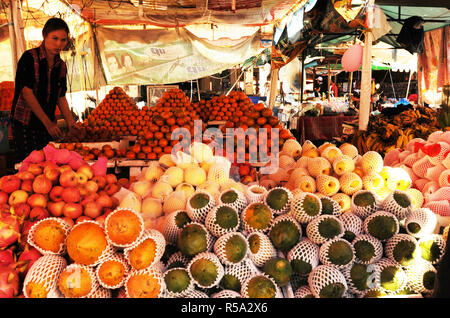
x: 321, y: 128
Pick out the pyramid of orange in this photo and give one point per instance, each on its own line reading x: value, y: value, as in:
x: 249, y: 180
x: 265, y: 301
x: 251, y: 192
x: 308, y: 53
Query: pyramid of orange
x: 173, y: 110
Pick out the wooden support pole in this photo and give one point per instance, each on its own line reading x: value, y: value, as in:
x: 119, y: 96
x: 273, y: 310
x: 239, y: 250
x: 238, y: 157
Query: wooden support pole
x: 273, y: 87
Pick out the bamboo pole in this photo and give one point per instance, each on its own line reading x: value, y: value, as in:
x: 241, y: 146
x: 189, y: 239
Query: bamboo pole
x: 12, y: 38
x: 273, y: 87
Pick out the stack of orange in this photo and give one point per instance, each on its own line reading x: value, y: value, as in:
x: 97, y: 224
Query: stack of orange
x: 93, y: 153
x: 172, y: 111
x: 117, y: 115
x: 223, y: 107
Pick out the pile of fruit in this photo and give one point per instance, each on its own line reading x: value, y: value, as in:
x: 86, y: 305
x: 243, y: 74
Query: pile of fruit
x: 172, y: 111
x: 223, y: 108
x: 93, y: 153
x: 52, y: 184
x: 387, y: 132
x: 185, y: 228
x: 427, y: 163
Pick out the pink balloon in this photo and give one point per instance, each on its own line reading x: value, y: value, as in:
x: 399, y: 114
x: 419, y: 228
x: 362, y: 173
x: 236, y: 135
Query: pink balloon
x: 352, y: 58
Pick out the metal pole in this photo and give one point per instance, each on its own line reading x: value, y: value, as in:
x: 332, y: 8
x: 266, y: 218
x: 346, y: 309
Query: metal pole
x: 302, y: 76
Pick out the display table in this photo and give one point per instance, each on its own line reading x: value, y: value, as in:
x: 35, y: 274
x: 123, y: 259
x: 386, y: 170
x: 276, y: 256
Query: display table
x: 321, y: 128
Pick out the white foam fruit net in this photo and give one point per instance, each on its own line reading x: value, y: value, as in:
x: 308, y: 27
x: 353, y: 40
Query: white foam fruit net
x: 372, y: 279
x: 265, y: 251
x: 327, y: 185
x: 372, y: 181
x: 286, y: 206
x: 363, y: 211
x: 226, y: 293
x: 65, y: 227
x: 108, y: 235
x: 239, y: 204
x: 392, y: 206
x: 400, y: 276
x: 416, y: 197
x: 303, y: 292
x: 344, y: 201
x: 196, y: 294
x: 118, y: 258
x: 314, y: 233
x: 336, y: 208
x: 306, y: 251
x: 441, y: 207
x: 219, y: 170
x: 212, y: 225
x: 325, y: 257
x: 255, y: 193
x: 179, y: 258
x: 212, y: 258
x: 199, y: 215
x: 380, y: 214
x: 434, y: 242
x: 343, y: 164
x: 154, y: 276
x: 183, y: 293
x: 372, y: 245
x: 352, y: 223
x: 241, y: 271
x: 305, y: 213
x: 45, y: 271
x: 331, y: 153
x: 416, y: 276
x: 159, y: 245
x: 220, y: 248
x: 350, y: 183
x: 100, y: 292
x: 245, y: 291
x: 392, y: 244
x: 322, y: 276
x: 421, y: 166
x: 170, y: 229
x: 420, y: 222
x: 75, y: 273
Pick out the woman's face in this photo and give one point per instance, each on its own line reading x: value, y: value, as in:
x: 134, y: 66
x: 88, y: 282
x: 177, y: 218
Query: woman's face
x: 55, y: 41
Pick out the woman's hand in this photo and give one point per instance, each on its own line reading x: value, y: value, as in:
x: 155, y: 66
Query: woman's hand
x: 75, y: 129
x: 54, y: 131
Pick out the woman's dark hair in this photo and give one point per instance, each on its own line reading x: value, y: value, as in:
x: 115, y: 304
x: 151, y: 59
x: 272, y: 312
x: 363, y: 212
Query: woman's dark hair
x: 54, y: 24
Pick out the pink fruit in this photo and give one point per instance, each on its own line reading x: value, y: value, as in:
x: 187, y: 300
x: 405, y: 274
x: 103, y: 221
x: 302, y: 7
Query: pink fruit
x: 441, y: 207
x: 391, y: 157
x: 6, y: 257
x: 36, y: 156
x: 99, y: 168
x: 27, y: 258
x: 9, y: 230
x: 62, y: 156
x: 9, y: 282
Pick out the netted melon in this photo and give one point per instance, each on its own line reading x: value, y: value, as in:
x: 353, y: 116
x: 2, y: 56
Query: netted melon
x: 432, y: 247
x: 327, y: 282
x: 304, y: 257
x: 324, y: 228
x: 206, y: 270
x: 285, y: 232
x: 305, y: 207
x: 279, y: 269
x: 260, y: 286
x: 193, y: 239
x: 402, y: 249
x: 381, y: 225
x: 364, y: 203
x: 368, y: 249
x: 337, y: 252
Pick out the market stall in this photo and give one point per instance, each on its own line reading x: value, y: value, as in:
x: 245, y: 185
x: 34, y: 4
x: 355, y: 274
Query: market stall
x: 235, y: 205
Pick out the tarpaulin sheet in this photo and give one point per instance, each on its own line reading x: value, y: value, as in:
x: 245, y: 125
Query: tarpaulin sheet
x: 160, y: 56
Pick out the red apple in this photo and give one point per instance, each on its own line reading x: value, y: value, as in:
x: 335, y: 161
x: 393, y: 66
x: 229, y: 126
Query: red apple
x: 65, y: 168
x: 82, y: 189
x: 56, y: 208
x: 38, y: 213
x: 42, y: 184
x: 68, y: 221
x: 52, y: 174
x: 100, y: 180
x: 101, y: 219
x: 56, y: 193
x: 22, y: 210
x: 35, y: 168
x: 27, y: 185
x: 115, y: 201
x: 91, y: 186
x: 71, y: 195
x: 111, y: 178
x: 93, y: 209
x: 105, y: 201
x: 3, y: 197
x: 25, y: 175
x: 48, y: 165
x: 18, y: 196
x: 37, y: 200
x: 82, y: 178
x: 112, y: 188
x: 72, y: 210
x: 87, y: 171
x: 68, y: 178
x: 10, y: 183
x: 82, y: 219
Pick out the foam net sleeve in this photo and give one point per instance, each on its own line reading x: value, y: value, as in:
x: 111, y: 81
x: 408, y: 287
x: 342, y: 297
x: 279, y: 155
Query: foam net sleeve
x: 298, y: 211
x: 390, y: 205
x: 156, y: 237
x: 364, y: 211
x: 94, y: 282
x: 65, y: 227
x: 286, y: 207
x: 199, y: 215
x: 220, y: 247
x: 377, y: 248
x: 253, y: 196
x: 141, y: 220
x: 46, y: 271
x: 239, y: 204
x: 307, y: 251
x: 392, y: 243
x: 183, y: 293
x: 244, y: 289
x: 170, y: 228
x: 324, y: 275
x: 117, y: 257
x: 352, y: 223
x: 216, y: 229
x: 265, y: 252
x: 324, y: 254
x: 226, y: 293
x: 152, y: 272
x: 213, y: 258
x: 415, y: 275
x: 423, y: 217
x: 313, y: 233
